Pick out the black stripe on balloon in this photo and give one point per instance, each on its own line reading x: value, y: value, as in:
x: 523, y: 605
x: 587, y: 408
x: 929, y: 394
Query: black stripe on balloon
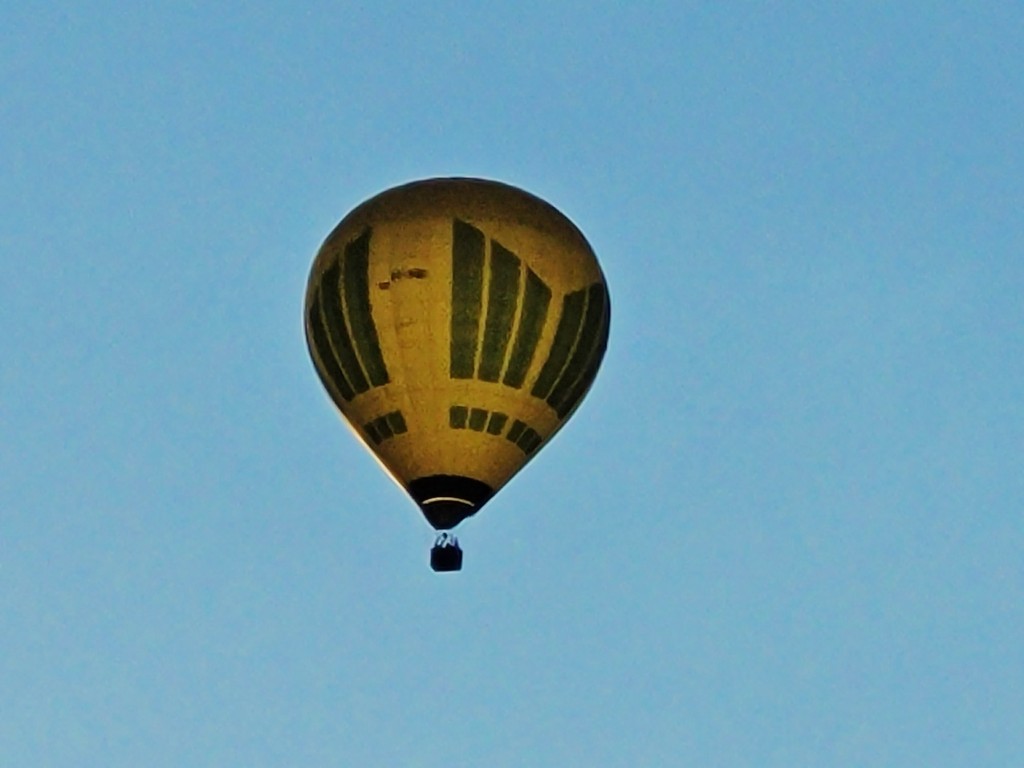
x: 562, y: 346
x: 383, y: 427
x: 516, y: 431
x: 529, y: 441
x: 467, y: 296
x: 337, y: 328
x: 477, y: 419
x: 329, y: 363
x: 458, y: 415
x: 381, y: 423
x: 502, y: 297
x: 525, y: 437
x: 373, y: 432
x: 397, y: 422
x: 496, y: 423
x: 581, y: 386
x: 586, y: 346
x: 536, y: 298
x: 360, y: 312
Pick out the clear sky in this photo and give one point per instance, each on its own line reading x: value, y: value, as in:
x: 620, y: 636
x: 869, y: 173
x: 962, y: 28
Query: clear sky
x: 785, y: 529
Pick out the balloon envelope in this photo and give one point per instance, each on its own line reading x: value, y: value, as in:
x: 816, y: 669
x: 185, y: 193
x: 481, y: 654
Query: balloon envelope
x: 456, y: 324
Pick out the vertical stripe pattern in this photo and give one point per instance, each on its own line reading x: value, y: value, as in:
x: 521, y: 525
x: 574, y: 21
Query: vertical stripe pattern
x: 495, y: 331
x: 523, y: 436
x: 325, y: 352
x: 536, y: 297
x: 502, y: 296
x: 467, y: 297
x: 567, y: 333
x: 360, y: 317
x: 386, y: 426
x: 341, y: 323
x: 576, y: 352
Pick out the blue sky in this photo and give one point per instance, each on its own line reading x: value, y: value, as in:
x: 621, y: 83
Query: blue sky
x: 785, y: 528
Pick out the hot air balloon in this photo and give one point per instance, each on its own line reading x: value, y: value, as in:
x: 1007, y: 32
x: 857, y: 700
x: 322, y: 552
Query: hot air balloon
x: 456, y: 324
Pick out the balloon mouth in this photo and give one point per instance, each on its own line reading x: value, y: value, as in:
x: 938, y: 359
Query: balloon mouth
x: 445, y: 514
x: 447, y: 500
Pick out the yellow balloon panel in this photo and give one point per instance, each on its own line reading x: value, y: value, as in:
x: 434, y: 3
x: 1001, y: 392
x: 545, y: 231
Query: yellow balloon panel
x: 456, y: 324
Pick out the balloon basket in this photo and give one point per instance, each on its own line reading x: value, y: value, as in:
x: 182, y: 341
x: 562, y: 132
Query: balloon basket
x: 446, y: 555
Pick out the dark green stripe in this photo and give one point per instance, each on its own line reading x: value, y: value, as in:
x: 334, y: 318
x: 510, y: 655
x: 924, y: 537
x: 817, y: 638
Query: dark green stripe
x: 516, y: 431
x: 337, y: 328
x: 329, y: 364
x: 381, y: 422
x: 496, y: 424
x: 360, y: 313
x: 386, y: 426
x: 528, y: 441
x: 502, y: 295
x: 457, y: 416
x: 397, y: 422
x: 477, y: 419
x: 590, y: 372
x: 526, y: 438
x: 561, y: 347
x: 536, y: 297
x: 467, y: 291
x: 590, y: 335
